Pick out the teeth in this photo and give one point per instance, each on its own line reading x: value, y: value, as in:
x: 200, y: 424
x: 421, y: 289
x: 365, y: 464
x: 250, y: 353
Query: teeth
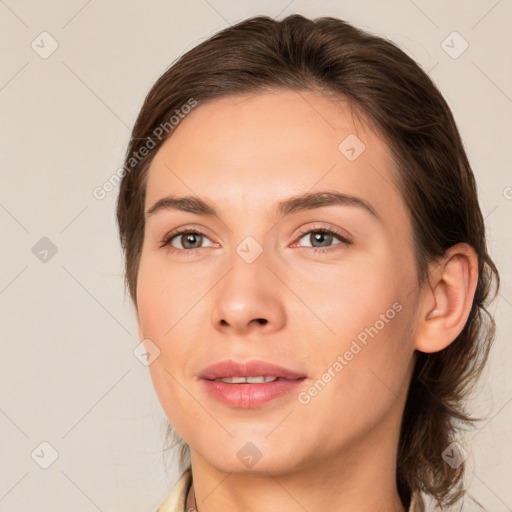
x: 248, y: 380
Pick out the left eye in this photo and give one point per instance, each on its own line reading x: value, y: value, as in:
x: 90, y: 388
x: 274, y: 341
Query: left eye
x: 323, y: 236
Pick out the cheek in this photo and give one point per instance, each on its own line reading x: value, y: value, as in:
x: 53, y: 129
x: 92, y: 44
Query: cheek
x: 164, y: 301
x: 352, y: 295
x: 367, y: 308
x: 164, y: 295
x: 363, y: 376
x: 165, y: 307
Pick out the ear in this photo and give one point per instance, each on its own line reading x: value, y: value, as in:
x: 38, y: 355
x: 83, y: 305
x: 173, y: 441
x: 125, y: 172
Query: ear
x: 446, y: 298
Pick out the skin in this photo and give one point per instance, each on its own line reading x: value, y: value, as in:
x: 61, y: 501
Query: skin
x: 244, y: 154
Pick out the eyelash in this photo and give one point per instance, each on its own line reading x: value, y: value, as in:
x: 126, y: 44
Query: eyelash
x: 168, y: 238
x: 326, y: 231
x: 190, y: 252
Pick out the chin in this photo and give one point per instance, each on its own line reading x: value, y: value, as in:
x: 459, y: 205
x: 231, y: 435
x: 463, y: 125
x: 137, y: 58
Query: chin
x: 249, y: 457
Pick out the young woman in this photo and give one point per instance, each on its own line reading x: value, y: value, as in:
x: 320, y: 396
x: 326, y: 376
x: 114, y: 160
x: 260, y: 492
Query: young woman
x: 307, y: 258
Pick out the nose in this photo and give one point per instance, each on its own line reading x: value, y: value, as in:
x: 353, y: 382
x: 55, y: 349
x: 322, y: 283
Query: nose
x: 249, y: 299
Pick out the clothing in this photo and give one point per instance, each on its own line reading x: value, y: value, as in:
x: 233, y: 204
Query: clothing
x: 176, y: 501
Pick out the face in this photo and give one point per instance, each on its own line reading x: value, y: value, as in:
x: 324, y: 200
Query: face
x: 324, y: 288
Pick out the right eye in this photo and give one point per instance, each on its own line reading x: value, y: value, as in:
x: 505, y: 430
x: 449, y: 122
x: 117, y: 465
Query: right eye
x: 185, y: 238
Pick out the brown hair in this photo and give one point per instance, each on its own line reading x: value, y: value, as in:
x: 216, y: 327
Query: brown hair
x: 393, y: 93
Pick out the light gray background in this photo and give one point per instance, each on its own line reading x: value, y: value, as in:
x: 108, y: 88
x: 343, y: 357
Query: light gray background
x: 68, y: 373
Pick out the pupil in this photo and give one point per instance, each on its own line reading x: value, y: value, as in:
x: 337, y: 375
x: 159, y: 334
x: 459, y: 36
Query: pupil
x: 190, y: 238
x: 318, y: 236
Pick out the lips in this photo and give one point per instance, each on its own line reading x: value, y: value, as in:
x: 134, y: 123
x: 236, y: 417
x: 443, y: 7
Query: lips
x: 249, y: 385
x: 228, y: 369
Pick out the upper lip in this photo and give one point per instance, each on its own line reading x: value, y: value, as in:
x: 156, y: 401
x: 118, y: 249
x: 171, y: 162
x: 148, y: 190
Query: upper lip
x: 230, y: 368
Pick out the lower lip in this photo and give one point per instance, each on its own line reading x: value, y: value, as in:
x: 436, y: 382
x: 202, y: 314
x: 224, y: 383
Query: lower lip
x: 249, y: 396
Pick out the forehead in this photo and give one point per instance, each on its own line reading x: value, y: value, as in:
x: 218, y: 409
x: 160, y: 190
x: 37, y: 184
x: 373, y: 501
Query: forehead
x: 249, y: 151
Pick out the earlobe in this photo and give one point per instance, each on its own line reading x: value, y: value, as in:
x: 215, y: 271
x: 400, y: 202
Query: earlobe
x: 447, y: 299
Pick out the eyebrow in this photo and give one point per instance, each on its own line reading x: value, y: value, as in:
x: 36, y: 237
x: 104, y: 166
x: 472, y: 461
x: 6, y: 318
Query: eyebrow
x: 302, y: 202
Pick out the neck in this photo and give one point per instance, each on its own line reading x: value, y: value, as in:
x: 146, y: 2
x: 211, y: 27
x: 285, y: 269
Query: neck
x: 353, y: 479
